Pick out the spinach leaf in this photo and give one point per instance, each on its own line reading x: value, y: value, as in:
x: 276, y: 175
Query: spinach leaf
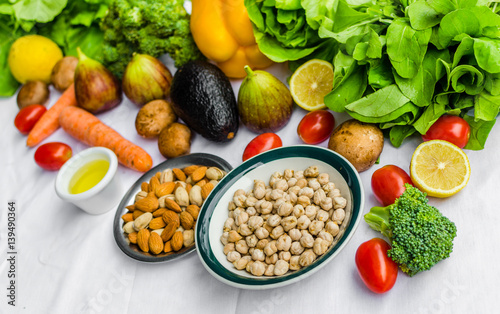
x: 487, y: 53
x: 492, y: 83
x: 465, y: 48
x: 422, y: 15
x: 379, y: 73
x: 443, y: 6
x: 351, y: 88
x: 429, y: 116
x: 468, y: 79
x: 478, y: 133
x: 486, y: 106
x: 406, y: 47
x: 41, y: 11
x: 456, y: 23
x: 398, y: 133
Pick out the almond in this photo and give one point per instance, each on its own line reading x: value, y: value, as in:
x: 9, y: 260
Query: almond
x: 194, y: 210
x: 187, y: 221
x: 156, y: 223
x: 177, y: 241
x: 158, y: 175
x: 168, y: 247
x: 164, y: 189
x: 130, y: 207
x: 159, y: 212
x: 170, y: 216
x: 132, y: 237
x: 145, y: 186
x: 169, y: 231
x: 128, y: 217
x: 202, y: 182
x: 149, y: 203
x: 179, y: 174
x: 199, y: 174
x: 153, y: 184
x: 155, y: 243
x: 190, y: 169
x: 206, y: 189
x: 143, y: 239
x: 171, y: 204
x: 188, y: 187
x: 137, y: 213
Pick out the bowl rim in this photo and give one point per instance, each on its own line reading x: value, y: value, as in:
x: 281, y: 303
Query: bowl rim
x: 202, y: 239
x: 178, y: 162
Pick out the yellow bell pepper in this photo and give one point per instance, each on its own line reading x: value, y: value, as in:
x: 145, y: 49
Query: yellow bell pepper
x: 223, y: 32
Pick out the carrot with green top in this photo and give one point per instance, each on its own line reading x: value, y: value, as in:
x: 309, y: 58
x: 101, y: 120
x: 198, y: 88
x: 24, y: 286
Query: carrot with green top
x: 88, y: 129
x: 49, y: 121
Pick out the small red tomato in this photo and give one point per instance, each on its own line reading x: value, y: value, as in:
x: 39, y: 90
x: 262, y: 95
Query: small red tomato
x: 261, y: 143
x: 388, y: 183
x: 377, y: 270
x: 51, y: 156
x: 27, y: 117
x: 449, y: 128
x: 316, y: 126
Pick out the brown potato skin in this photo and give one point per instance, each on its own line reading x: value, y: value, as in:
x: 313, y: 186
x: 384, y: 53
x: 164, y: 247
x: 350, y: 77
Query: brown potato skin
x: 154, y: 117
x: 175, y: 140
x: 33, y: 93
x: 63, y: 73
x: 360, y: 143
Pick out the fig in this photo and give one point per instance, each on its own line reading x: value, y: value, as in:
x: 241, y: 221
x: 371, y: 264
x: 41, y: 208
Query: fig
x: 264, y: 102
x: 96, y: 88
x: 146, y: 79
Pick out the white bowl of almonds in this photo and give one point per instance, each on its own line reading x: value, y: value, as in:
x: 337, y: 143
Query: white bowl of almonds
x: 156, y: 218
x: 279, y: 217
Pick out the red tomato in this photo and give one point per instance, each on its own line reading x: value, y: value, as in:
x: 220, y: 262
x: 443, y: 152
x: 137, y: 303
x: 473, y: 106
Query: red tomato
x: 377, y: 270
x: 449, y: 128
x: 27, y: 117
x: 388, y: 183
x: 261, y: 143
x: 51, y: 156
x: 316, y: 126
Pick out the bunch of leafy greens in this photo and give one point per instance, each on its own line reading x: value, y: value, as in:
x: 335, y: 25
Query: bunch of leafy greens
x: 400, y: 64
x: 152, y: 27
x: 70, y: 24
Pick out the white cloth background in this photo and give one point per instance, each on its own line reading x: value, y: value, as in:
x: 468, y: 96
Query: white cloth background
x: 68, y: 261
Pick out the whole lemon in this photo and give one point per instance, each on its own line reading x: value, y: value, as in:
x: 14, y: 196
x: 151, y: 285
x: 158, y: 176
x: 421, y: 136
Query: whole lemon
x: 32, y: 57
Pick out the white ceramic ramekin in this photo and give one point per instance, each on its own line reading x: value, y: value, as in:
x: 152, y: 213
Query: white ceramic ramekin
x: 100, y: 198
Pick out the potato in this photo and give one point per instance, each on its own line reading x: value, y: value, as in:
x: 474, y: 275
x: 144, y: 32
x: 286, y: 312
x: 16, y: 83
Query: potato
x: 33, y: 93
x: 154, y: 117
x: 63, y: 73
x: 360, y: 143
x: 175, y: 140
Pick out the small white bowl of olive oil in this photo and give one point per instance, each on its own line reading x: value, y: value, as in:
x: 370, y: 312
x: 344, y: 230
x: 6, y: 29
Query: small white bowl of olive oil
x: 88, y: 180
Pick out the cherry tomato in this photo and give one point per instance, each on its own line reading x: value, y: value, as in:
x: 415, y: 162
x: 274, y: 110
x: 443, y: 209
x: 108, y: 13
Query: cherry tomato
x: 261, y: 143
x: 27, y: 117
x: 449, y: 128
x: 377, y: 270
x: 316, y: 126
x: 51, y: 156
x: 388, y: 183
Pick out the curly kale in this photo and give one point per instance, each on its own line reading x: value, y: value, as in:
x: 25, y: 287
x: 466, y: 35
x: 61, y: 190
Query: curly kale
x: 421, y: 236
x: 152, y: 27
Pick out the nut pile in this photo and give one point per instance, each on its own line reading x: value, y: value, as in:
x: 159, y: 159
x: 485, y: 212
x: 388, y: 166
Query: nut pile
x: 164, y: 214
x: 284, y: 226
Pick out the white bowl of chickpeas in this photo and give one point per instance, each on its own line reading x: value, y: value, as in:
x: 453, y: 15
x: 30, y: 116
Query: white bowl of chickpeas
x: 279, y: 217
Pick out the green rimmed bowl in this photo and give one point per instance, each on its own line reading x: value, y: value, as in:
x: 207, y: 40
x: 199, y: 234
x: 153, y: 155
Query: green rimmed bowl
x: 215, y: 210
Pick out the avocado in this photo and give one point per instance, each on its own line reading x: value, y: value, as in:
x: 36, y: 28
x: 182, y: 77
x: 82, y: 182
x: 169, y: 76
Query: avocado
x: 203, y: 98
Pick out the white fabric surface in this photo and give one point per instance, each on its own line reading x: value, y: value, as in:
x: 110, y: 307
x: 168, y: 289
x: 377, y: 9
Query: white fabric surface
x: 68, y: 261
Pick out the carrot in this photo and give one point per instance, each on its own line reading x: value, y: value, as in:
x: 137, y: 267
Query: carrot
x: 49, y: 122
x: 88, y: 129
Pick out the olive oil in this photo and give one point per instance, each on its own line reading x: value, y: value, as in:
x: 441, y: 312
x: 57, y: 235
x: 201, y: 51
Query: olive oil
x: 88, y: 176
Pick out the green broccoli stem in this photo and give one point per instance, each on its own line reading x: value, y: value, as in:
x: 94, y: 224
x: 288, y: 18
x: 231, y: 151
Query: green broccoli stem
x: 378, y: 219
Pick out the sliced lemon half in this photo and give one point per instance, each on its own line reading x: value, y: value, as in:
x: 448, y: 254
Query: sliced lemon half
x: 439, y: 168
x: 310, y: 83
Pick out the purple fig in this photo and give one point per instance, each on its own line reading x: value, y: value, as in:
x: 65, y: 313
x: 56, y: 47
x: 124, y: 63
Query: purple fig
x: 145, y: 79
x: 96, y: 88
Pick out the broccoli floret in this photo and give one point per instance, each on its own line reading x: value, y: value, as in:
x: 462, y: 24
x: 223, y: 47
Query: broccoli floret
x: 152, y: 27
x: 420, y: 235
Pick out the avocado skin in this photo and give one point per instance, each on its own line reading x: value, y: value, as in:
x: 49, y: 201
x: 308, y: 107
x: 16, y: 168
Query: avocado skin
x: 203, y: 98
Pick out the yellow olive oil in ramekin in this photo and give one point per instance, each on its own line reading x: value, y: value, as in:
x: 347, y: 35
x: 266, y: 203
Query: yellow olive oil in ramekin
x: 88, y: 176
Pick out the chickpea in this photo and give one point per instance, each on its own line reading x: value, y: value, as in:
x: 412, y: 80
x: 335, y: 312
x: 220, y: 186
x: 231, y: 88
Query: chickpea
x: 239, y: 200
x: 257, y: 268
x: 320, y: 246
x: 311, y: 211
x: 259, y: 189
x: 294, y: 262
x: 303, y: 200
x: 274, y: 220
x: 338, y: 216
x: 285, y: 209
x: 231, y: 206
x: 266, y: 207
x: 244, y: 230
x: 271, y: 248
x: 277, y: 232
x: 224, y: 238
x: 255, y: 222
x: 294, y: 189
x: 258, y: 255
x: 250, y: 201
x: 288, y: 174
x: 298, y: 174
x: 314, y: 184
x: 281, y: 267
x: 239, y: 192
x: 323, y: 178
x: 340, y: 202
x: 228, y: 248
x: 268, y: 227
x: 280, y: 185
x: 284, y: 243
x: 234, y: 236
x: 274, y: 178
x: 316, y: 226
x: 307, y: 240
x: 289, y: 223
x: 322, y: 215
x: 251, y: 240
x: 233, y: 256
x: 334, y: 193
x: 292, y: 197
x: 251, y: 211
x: 301, y: 183
x: 306, y: 191
x: 285, y: 255
x: 267, y: 197
x: 228, y: 225
x: 307, y: 258
x: 298, y: 210
x: 328, y: 187
x: 295, y: 234
x: 261, y: 244
x: 269, y: 270
x: 242, y: 247
x: 241, y: 263
x: 241, y: 218
x: 272, y: 259
x: 332, y: 228
x: 326, y: 236
x: 249, y: 265
x: 326, y: 203
x: 258, y: 204
x: 291, y: 182
x: 296, y: 248
x: 319, y: 196
x: 311, y: 172
x: 303, y: 222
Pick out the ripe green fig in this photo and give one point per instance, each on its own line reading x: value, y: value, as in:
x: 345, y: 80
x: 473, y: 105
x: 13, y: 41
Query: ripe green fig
x: 146, y: 79
x: 96, y: 89
x: 264, y: 102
